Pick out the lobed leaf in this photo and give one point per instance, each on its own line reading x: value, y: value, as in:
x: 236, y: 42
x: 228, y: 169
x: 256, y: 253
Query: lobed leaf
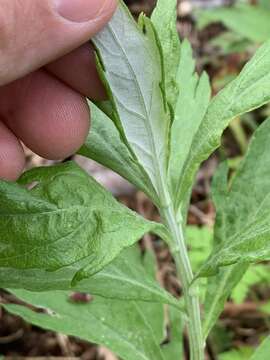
x: 104, y: 145
x: 131, y: 66
x: 250, y: 90
x: 164, y: 20
x: 234, y: 209
x: 244, y: 218
x: 101, y: 322
x: 190, y: 109
x: 65, y: 218
x: 124, y: 278
x: 104, y: 322
x: 219, y: 288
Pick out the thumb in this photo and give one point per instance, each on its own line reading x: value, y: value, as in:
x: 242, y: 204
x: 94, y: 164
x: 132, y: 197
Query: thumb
x: 36, y: 32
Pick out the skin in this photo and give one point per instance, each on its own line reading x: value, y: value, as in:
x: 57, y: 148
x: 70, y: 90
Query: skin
x: 47, y: 68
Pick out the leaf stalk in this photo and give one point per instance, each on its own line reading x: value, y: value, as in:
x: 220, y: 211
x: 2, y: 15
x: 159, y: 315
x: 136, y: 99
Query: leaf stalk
x: 184, y: 270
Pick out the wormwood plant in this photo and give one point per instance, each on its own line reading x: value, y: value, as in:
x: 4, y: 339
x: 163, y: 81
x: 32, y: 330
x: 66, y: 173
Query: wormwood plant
x: 60, y: 230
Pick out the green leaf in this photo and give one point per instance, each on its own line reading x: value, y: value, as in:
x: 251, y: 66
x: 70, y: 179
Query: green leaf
x: 230, y: 43
x: 174, y: 348
x: 124, y: 279
x: 265, y: 308
x: 251, y: 22
x: 220, y: 286
x: 218, y: 290
x: 164, y: 19
x: 235, y: 280
x: 250, y: 90
x: 105, y: 146
x: 190, y: 109
x: 132, y: 330
x: 236, y: 354
x: 66, y: 217
x: 245, y: 218
x: 127, y: 279
x: 265, y: 4
x: 132, y: 68
x: 199, y: 241
x: 257, y: 274
x: 262, y: 353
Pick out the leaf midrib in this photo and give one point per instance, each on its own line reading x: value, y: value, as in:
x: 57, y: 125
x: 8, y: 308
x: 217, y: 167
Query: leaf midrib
x: 159, y: 171
x: 148, y: 325
x: 153, y: 289
x: 62, y: 210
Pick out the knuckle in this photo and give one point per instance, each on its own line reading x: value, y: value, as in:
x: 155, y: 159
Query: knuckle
x: 22, y: 22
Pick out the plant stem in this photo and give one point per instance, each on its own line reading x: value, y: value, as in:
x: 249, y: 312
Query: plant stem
x: 191, y: 295
x: 239, y: 134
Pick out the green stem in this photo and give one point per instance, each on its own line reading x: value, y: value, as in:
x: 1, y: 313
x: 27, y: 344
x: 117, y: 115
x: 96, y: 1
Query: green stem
x: 239, y: 134
x: 191, y: 295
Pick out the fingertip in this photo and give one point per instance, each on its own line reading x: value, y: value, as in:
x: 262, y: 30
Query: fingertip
x: 43, y: 34
x: 49, y: 117
x: 66, y: 132
x: 12, y: 159
x: 85, y: 79
x: 81, y: 11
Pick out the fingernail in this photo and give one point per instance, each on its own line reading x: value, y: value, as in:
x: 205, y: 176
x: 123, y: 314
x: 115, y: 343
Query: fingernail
x: 82, y: 10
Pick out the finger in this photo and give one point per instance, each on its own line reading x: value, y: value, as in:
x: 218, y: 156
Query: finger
x: 12, y: 160
x: 48, y: 116
x: 34, y: 33
x: 78, y: 70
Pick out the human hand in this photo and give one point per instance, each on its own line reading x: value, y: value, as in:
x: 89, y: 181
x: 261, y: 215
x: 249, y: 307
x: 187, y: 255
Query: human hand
x: 44, y: 105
